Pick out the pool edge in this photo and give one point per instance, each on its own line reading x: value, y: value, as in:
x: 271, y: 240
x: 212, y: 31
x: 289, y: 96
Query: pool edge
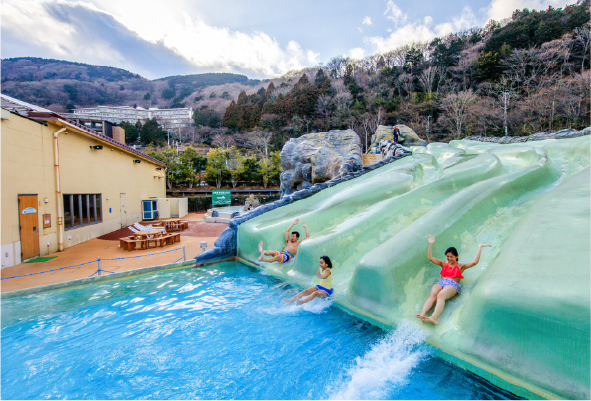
x: 81, y: 281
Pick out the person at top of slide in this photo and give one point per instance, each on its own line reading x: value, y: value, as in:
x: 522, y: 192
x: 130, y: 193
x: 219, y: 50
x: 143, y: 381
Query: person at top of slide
x: 290, y: 249
x: 449, y: 284
x: 324, y: 289
x: 395, y: 134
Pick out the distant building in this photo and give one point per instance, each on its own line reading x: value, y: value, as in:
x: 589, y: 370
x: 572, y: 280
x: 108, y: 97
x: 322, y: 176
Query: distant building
x: 63, y: 183
x: 167, y: 118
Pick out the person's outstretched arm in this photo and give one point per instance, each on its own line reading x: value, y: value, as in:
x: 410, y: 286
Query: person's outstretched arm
x: 307, y: 233
x: 438, y: 262
x: 476, y: 258
x: 296, y: 221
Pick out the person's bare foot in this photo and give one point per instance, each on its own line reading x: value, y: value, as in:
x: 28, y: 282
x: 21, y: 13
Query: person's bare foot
x: 422, y: 317
x: 435, y: 322
x: 261, y: 257
x: 287, y: 301
x: 261, y: 247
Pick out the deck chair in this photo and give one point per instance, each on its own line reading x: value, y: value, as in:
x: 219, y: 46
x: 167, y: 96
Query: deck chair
x: 133, y: 230
x: 149, y: 227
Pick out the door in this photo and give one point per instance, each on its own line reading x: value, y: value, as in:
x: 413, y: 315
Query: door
x: 123, y: 212
x: 29, y: 225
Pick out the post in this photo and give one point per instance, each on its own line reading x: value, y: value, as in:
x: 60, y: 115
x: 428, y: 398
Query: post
x: 505, y: 96
x: 99, y: 266
x: 184, y: 255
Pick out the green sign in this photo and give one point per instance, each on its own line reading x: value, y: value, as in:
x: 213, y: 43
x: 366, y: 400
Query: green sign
x: 221, y: 198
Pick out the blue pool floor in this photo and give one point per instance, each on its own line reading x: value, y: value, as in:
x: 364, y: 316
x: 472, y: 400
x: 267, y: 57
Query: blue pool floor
x: 218, y: 332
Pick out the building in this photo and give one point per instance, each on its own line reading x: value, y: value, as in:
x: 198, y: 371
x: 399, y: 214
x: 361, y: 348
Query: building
x: 167, y: 118
x: 63, y: 184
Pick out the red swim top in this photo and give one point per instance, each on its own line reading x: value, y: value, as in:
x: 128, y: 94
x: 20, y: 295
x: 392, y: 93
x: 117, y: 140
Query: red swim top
x: 451, y: 271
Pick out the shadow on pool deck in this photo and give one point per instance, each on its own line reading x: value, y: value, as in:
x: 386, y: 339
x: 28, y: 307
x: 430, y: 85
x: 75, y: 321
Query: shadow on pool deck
x: 107, y: 247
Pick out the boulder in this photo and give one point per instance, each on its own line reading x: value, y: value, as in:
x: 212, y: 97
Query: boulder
x: 251, y: 200
x: 407, y: 136
x: 388, y: 148
x: 318, y: 157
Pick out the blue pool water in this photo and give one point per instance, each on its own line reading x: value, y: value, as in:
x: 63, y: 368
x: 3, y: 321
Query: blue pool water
x: 218, y: 332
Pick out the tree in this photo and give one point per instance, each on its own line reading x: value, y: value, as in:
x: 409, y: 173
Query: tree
x: 456, y: 105
x: 266, y: 169
x: 223, y: 142
x: 195, y: 163
x: 234, y: 165
x: 131, y: 132
x: 259, y: 141
x: 216, y: 164
x: 151, y: 132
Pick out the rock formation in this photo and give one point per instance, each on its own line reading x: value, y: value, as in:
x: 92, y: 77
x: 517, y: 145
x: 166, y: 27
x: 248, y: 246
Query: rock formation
x: 318, y: 157
x: 388, y: 148
x: 407, y: 138
x: 251, y: 200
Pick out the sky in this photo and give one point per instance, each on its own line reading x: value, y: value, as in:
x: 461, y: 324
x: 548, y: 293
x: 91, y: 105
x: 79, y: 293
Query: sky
x: 257, y: 38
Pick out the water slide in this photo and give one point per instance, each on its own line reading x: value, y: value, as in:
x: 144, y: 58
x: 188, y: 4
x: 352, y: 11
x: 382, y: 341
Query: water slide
x: 522, y: 319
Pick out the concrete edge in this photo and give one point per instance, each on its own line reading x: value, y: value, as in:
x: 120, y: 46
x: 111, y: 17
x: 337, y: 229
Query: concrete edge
x: 94, y: 279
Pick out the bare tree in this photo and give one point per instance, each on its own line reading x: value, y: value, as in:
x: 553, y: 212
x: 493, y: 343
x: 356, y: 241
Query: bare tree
x: 582, y: 37
x: 324, y: 106
x: 366, y: 125
x: 223, y: 142
x: 456, y: 105
x: 406, y: 83
x: 259, y: 141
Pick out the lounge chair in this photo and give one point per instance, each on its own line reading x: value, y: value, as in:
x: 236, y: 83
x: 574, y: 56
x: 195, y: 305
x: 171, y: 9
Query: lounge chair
x: 149, y: 227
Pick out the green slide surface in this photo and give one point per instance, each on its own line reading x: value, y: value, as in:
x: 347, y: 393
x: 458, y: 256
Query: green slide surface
x: 522, y: 319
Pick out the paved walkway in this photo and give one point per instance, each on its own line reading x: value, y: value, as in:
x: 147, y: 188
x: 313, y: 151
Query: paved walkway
x: 191, y: 238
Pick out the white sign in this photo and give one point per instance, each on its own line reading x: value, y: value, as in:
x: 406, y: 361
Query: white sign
x: 29, y: 210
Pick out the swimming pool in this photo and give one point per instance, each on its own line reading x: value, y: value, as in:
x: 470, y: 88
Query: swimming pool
x: 217, y: 332
x: 223, y: 214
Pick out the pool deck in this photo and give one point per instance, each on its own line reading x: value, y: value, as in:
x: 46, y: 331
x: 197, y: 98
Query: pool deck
x: 107, y: 247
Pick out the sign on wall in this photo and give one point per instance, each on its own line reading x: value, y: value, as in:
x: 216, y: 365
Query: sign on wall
x: 46, y: 220
x: 221, y: 198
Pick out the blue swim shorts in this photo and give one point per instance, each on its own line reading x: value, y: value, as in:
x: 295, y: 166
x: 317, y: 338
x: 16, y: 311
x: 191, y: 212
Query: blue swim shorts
x: 328, y: 291
x: 448, y: 281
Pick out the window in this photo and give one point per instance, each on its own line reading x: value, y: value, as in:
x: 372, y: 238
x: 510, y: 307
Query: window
x: 82, y: 210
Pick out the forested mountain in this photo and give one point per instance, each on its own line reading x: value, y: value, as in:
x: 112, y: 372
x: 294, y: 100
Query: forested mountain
x: 62, y: 85
x: 534, y: 65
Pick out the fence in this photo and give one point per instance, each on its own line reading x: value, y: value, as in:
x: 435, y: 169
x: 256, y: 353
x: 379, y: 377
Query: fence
x: 99, y: 260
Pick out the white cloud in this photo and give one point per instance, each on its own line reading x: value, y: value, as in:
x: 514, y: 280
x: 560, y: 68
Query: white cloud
x: 357, y: 53
x: 360, y: 30
x: 186, y: 34
x: 367, y: 21
x: 428, y: 20
x: 417, y: 32
x: 500, y: 9
x: 394, y: 13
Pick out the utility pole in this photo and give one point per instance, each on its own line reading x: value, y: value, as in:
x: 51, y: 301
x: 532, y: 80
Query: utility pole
x: 505, y: 97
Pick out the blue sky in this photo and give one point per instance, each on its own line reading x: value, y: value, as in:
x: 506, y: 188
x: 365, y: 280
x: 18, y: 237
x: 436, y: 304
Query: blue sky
x: 258, y: 38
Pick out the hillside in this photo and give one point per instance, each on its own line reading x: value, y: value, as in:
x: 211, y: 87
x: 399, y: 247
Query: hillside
x: 59, y: 85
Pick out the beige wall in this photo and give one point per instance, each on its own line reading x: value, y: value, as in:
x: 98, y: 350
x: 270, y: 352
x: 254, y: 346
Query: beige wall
x: 28, y: 168
x: 179, y: 207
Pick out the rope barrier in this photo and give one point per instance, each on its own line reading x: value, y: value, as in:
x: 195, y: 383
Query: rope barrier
x: 48, y: 271
x: 99, y: 270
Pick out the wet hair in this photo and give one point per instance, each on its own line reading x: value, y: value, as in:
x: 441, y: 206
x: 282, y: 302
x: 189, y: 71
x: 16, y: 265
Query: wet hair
x: 297, y: 234
x: 327, y: 261
x: 452, y: 250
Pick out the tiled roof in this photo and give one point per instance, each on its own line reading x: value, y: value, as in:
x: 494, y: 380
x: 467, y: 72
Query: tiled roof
x: 39, y: 113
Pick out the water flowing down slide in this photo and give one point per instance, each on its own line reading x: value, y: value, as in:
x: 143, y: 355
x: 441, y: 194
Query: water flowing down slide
x: 522, y: 319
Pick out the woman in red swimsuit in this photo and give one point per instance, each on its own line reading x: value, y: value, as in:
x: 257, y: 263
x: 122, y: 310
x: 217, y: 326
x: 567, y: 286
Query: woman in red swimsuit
x: 449, y: 285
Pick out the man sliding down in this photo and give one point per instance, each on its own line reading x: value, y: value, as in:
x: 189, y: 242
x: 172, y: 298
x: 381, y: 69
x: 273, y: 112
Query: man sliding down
x: 291, y: 246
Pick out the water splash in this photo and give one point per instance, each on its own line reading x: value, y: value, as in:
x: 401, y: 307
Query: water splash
x: 387, y: 364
